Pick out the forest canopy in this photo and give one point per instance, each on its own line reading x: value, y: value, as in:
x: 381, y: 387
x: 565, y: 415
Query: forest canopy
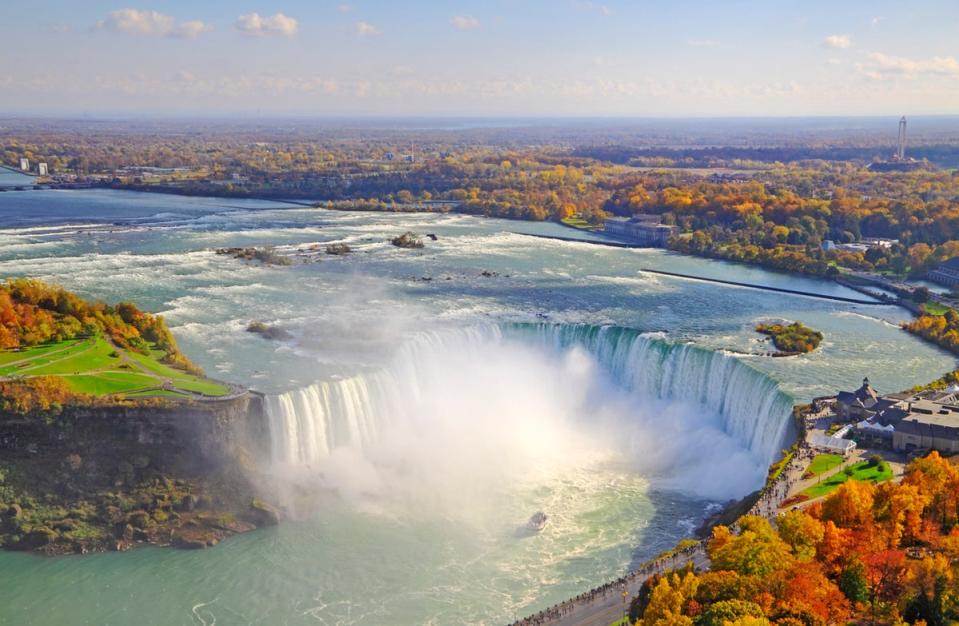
x: 33, y: 312
x: 868, y: 553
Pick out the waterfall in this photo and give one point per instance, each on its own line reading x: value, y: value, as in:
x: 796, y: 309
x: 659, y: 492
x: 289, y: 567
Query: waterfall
x: 754, y: 410
x: 307, y: 424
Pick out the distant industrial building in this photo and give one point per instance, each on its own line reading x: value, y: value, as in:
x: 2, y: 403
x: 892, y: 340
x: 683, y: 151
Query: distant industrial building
x: 863, y: 245
x: 946, y: 274
x: 42, y: 169
x: 646, y: 230
x: 898, y: 162
x: 25, y: 164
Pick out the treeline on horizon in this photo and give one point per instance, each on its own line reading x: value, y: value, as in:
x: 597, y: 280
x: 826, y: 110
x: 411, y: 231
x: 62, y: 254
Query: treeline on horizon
x: 944, y: 155
x: 764, y: 212
x: 878, y: 554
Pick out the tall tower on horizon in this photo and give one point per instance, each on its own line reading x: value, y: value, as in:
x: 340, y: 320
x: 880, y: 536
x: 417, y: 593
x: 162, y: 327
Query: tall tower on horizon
x: 901, y: 152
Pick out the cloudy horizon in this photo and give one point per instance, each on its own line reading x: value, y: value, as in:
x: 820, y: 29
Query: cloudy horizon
x: 569, y: 58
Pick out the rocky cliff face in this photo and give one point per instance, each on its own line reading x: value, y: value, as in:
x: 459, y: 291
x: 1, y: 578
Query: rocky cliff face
x: 202, y: 435
x: 109, y: 477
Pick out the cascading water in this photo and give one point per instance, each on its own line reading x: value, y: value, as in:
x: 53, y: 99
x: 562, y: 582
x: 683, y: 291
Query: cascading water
x: 718, y: 395
x: 754, y: 410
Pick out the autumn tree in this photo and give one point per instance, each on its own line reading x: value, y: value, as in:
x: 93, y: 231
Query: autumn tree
x: 755, y: 550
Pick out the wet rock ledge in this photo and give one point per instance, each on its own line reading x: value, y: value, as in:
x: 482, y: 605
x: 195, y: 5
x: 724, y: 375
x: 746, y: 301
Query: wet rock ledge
x: 181, y: 474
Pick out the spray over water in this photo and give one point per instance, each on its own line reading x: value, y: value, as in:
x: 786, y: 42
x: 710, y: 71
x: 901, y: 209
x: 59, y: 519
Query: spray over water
x: 462, y: 414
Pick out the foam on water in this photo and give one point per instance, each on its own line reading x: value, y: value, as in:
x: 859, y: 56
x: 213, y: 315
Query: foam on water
x: 539, y: 388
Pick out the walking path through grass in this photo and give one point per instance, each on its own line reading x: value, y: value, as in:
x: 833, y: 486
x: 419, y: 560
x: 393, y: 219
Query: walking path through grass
x: 864, y: 471
x: 99, y: 367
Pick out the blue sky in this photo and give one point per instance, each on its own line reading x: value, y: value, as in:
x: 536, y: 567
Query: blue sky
x: 493, y: 58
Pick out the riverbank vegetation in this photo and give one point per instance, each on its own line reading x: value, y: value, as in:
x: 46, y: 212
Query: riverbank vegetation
x: 59, y: 349
x: 942, y: 330
x: 768, y: 205
x: 795, y: 338
x: 877, y: 553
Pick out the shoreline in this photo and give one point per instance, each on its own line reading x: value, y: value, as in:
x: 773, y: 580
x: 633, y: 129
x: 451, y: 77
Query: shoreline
x: 760, y: 494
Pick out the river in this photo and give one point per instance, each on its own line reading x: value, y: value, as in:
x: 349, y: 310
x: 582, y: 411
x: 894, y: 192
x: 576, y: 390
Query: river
x: 433, y: 399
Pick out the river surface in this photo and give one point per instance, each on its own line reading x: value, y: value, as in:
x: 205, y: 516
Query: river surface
x: 433, y: 399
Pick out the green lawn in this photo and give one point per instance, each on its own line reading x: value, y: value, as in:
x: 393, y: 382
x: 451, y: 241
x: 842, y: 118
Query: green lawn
x: 824, y: 462
x: 14, y: 363
x: 578, y: 222
x: 181, y: 379
x: 95, y: 366
x: 106, y: 383
x: 90, y: 355
x: 861, y: 471
x: 934, y: 308
x: 11, y: 356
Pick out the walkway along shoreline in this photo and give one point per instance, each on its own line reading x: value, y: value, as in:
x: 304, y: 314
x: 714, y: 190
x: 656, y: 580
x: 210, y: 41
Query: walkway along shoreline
x: 794, y: 292
x: 610, y: 601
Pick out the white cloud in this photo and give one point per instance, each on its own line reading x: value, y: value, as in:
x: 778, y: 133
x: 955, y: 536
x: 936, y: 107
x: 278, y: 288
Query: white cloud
x: 344, y: 8
x: 138, y: 22
x: 192, y: 29
x: 365, y: 29
x: 884, y: 66
x: 702, y: 43
x: 258, y: 25
x: 834, y: 61
x: 875, y: 21
x: 464, y: 22
x: 840, y: 42
x: 151, y: 23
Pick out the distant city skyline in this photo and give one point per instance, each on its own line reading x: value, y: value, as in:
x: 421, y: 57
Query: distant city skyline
x: 495, y: 58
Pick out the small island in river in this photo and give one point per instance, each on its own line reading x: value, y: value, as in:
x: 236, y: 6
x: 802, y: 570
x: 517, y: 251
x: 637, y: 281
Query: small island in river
x: 791, y: 339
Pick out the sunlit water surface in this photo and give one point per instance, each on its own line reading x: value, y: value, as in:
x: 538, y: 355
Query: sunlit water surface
x: 410, y: 532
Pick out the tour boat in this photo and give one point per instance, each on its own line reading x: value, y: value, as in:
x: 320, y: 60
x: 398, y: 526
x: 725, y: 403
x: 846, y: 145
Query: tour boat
x: 537, y: 522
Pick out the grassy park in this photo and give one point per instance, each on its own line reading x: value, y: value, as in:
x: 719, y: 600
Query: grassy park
x: 96, y: 366
x: 578, y: 222
x: 934, y: 308
x: 823, y: 463
x: 864, y: 471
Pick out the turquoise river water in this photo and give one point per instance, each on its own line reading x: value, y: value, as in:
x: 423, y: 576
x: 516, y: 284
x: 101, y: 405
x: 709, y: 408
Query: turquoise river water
x: 434, y: 399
